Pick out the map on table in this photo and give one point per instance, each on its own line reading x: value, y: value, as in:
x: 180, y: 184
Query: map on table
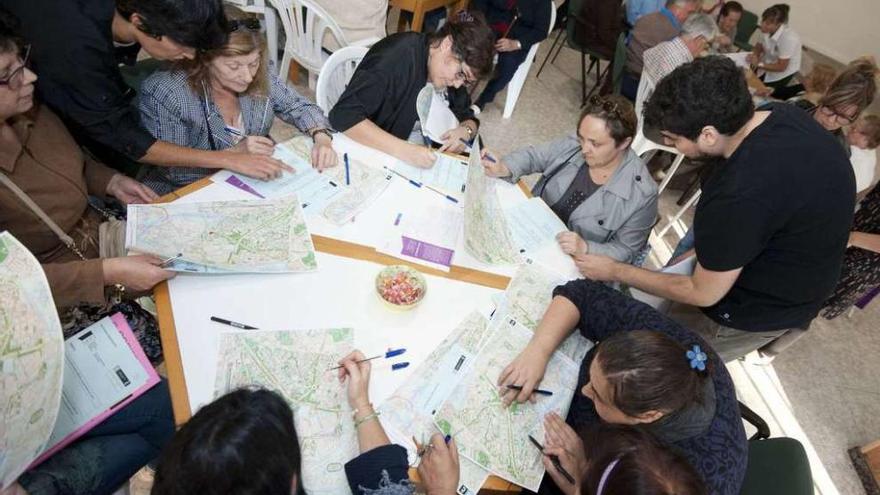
x: 408, y: 412
x: 326, y: 192
x: 526, y: 300
x: 296, y: 364
x: 496, y: 437
x: 486, y: 235
x: 261, y: 236
x: 31, y: 357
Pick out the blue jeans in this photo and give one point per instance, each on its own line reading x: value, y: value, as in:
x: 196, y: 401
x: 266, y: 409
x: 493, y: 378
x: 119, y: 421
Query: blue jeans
x: 684, y: 245
x: 508, y: 63
x: 107, y: 456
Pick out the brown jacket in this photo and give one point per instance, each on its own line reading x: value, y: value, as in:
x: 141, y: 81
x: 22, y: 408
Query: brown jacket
x: 649, y: 31
x: 40, y: 156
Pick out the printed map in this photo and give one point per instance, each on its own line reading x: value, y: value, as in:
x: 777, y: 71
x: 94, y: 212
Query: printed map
x: 297, y: 365
x: 496, y: 437
x: 243, y: 236
x: 486, y: 236
x: 409, y: 410
x: 31, y: 358
x: 526, y: 299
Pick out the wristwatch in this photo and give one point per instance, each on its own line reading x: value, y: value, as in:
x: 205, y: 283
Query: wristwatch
x: 321, y: 131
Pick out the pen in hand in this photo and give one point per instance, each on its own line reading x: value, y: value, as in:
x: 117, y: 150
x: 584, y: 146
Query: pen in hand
x: 555, y: 460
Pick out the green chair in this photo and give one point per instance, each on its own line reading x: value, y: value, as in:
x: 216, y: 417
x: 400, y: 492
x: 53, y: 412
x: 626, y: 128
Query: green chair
x: 747, y: 25
x: 618, y: 65
x: 776, y: 466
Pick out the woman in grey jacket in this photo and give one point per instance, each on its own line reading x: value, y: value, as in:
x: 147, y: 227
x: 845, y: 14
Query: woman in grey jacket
x: 592, y: 180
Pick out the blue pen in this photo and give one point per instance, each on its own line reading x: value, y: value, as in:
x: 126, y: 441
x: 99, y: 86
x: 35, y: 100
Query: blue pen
x: 399, y: 366
x: 487, y: 156
x: 388, y: 354
x: 395, y: 172
x: 347, y: 176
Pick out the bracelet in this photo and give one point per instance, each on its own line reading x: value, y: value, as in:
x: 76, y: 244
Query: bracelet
x: 363, y: 420
x: 469, y: 130
x: 357, y: 410
x: 115, y: 293
x: 321, y: 131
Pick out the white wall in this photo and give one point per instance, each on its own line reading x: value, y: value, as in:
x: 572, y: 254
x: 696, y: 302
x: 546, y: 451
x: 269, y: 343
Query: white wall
x: 840, y: 29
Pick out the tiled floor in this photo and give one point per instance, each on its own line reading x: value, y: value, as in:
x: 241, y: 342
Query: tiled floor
x: 825, y: 390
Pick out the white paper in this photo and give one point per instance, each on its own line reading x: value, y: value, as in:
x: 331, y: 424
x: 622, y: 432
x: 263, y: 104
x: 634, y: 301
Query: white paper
x: 449, y: 174
x: 683, y: 267
x: 739, y: 58
x: 440, y: 227
x: 99, y: 371
x: 533, y: 224
x: 440, y: 118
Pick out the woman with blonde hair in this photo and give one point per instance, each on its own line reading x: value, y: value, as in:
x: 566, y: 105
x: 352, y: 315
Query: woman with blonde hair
x: 227, y: 98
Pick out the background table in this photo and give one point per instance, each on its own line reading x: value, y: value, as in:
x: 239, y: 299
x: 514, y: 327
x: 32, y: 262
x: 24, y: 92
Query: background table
x: 420, y: 7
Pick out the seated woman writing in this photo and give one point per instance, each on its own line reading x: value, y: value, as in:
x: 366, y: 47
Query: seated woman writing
x: 246, y: 442
x: 378, y: 107
x: 227, y: 98
x: 593, y: 181
x: 645, y: 370
x: 45, y: 183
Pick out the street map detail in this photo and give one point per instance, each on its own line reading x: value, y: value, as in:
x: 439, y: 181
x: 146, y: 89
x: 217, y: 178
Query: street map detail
x: 297, y: 365
x: 31, y: 358
x: 496, y: 437
x: 240, y: 236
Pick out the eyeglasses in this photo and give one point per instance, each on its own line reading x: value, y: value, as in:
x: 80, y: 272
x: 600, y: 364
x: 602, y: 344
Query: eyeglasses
x: 841, y: 118
x: 16, y: 77
x: 610, y: 107
x: 251, y: 24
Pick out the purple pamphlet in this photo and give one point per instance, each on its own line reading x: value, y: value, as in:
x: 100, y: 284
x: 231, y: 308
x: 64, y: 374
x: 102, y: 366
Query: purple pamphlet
x: 234, y: 181
x: 426, y: 251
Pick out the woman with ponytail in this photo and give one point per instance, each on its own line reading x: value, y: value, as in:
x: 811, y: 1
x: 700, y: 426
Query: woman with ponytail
x: 646, y: 371
x: 777, y: 56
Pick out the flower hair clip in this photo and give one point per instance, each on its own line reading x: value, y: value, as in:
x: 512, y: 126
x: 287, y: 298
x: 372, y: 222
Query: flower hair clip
x: 697, y: 358
x: 465, y: 16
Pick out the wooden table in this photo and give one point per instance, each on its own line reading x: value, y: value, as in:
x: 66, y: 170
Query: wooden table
x: 419, y: 7
x: 168, y: 332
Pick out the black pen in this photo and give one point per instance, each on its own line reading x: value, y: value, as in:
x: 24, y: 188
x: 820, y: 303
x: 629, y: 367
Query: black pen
x: 233, y: 323
x: 554, y: 460
x: 538, y: 391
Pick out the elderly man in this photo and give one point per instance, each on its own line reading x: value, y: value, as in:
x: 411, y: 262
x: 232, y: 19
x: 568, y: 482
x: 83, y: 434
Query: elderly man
x: 650, y: 31
x: 697, y: 32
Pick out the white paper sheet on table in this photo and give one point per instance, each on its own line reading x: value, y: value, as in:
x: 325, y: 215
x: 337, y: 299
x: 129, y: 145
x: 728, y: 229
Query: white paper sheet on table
x: 683, y: 267
x: 425, y: 237
x: 448, y: 174
x: 739, y: 58
x: 533, y: 228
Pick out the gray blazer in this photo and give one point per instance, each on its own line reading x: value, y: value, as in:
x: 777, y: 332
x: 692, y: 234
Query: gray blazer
x: 617, y: 219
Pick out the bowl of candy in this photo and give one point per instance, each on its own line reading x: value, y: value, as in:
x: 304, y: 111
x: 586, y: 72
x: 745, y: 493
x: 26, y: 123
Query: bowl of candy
x: 400, y: 287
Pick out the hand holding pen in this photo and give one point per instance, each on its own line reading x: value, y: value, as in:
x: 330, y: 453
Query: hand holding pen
x: 355, y: 368
x: 492, y: 165
x: 564, y: 455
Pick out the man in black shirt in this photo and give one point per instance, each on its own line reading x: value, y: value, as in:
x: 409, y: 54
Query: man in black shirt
x: 76, y: 48
x: 772, y: 224
x: 378, y: 107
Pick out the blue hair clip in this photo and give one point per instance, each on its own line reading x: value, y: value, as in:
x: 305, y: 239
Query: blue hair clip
x: 697, y: 358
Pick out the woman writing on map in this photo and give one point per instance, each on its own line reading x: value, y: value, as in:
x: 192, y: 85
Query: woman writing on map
x: 45, y: 177
x: 246, y: 442
x: 228, y: 98
x: 592, y: 180
x: 645, y: 370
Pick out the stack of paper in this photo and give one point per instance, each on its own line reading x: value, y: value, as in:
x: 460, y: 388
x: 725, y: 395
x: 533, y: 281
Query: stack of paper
x: 426, y: 238
x: 224, y: 236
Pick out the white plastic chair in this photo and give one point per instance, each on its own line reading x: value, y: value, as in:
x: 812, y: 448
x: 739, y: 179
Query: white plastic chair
x: 514, y: 87
x: 305, y: 24
x: 336, y: 73
x: 643, y: 146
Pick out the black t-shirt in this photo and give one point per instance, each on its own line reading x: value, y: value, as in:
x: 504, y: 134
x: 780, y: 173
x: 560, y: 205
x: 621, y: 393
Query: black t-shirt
x: 73, y: 54
x: 386, y: 84
x: 781, y: 208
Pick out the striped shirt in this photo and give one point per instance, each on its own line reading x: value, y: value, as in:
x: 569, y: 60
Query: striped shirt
x: 172, y: 111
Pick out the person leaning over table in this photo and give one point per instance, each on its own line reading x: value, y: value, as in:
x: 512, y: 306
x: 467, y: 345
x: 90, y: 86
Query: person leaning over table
x: 728, y: 20
x: 778, y: 55
x: 77, y: 50
x: 378, y: 107
x: 592, y: 180
x: 227, y: 98
x: 773, y: 220
x: 607, y: 459
x: 645, y: 370
x: 39, y: 157
x: 246, y: 442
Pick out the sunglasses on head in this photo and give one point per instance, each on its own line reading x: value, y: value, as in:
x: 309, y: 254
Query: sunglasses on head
x: 251, y: 24
x: 610, y: 107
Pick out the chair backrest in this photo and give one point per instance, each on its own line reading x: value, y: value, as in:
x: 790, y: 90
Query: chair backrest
x: 618, y: 64
x: 336, y: 73
x: 595, y: 26
x: 305, y: 24
x: 777, y: 466
x: 747, y: 25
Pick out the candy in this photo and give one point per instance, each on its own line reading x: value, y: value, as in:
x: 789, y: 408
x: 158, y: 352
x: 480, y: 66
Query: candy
x: 400, y: 288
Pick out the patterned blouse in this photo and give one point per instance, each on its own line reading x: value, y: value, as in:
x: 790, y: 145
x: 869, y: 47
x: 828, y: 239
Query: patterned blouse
x: 172, y: 111
x: 719, y: 453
